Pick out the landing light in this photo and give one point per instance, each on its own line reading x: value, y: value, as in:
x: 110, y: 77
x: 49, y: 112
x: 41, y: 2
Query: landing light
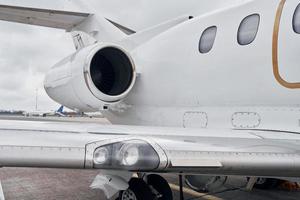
x: 101, y: 155
x: 129, y: 155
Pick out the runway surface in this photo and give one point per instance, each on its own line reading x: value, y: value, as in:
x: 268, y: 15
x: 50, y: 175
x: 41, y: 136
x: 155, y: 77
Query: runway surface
x: 65, y: 184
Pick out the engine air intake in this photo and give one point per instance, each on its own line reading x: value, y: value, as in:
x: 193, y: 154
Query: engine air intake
x: 111, y: 71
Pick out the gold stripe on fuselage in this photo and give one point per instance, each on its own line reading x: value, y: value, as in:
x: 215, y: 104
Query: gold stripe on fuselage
x: 275, y: 49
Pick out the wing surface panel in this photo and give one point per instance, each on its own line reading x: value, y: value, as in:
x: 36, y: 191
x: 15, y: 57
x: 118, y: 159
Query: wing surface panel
x: 201, y: 151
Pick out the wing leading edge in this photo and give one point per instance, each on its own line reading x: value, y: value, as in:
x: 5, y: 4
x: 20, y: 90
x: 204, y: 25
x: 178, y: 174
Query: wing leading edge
x: 42, y: 17
x: 197, y: 151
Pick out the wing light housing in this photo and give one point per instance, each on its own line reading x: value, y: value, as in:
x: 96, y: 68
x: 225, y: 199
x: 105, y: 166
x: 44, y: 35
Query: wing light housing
x: 133, y: 155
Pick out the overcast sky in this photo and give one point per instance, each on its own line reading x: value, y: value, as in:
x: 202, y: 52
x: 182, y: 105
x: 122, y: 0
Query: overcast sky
x: 26, y: 53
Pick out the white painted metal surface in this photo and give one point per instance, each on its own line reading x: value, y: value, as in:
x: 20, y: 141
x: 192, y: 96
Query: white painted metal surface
x: 195, y: 120
x: 252, y: 88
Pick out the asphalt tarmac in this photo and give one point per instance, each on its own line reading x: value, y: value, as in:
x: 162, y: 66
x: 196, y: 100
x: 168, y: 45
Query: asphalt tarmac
x: 70, y: 184
x: 64, y: 184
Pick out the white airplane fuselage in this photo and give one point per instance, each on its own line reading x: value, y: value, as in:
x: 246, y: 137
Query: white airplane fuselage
x: 252, y: 86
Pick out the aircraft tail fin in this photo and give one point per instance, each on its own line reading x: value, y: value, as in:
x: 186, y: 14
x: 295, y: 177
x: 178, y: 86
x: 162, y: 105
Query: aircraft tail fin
x: 61, y: 109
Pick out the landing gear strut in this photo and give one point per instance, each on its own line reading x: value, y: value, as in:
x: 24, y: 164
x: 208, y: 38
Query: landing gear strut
x: 159, y: 187
x: 181, y: 187
x: 152, y: 187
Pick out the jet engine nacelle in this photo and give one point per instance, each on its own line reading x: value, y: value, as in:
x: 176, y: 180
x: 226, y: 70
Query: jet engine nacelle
x: 92, y: 79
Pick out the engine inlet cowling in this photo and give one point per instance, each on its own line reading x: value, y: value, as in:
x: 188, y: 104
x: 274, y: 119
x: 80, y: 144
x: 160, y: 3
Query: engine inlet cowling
x: 92, y: 78
x: 109, y: 73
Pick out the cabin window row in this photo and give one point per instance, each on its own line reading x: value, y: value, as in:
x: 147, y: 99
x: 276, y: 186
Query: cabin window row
x: 246, y: 33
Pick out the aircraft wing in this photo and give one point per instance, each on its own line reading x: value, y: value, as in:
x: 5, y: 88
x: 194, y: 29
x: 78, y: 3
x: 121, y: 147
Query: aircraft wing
x: 197, y: 151
x: 42, y: 17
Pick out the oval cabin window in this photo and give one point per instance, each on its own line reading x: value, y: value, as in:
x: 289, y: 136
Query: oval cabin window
x: 248, y: 29
x: 207, y: 39
x: 296, y: 20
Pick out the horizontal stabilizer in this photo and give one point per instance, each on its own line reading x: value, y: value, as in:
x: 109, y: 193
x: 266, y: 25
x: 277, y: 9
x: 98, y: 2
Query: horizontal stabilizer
x: 42, y: 17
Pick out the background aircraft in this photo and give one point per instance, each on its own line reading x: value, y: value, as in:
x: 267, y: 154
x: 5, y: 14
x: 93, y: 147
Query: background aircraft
x: 58, y: 112
x: 198, y: 88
